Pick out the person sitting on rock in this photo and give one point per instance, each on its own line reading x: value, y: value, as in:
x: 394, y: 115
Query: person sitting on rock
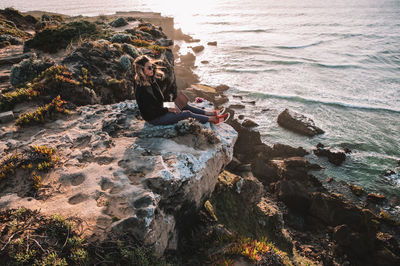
x: 150, y: 98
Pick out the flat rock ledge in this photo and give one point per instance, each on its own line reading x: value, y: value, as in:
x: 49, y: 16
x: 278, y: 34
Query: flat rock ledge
x: 121, y: 174
x: 298, y: 123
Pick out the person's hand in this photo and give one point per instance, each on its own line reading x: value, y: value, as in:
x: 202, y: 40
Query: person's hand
x: 174, y: 110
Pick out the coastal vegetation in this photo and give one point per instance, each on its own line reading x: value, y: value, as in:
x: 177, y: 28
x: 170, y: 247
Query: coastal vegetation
x: 34, y: 160
x: 53, y: 39
x: 42, y: 114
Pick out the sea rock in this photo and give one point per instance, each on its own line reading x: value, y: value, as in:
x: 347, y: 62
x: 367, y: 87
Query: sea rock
x: 249, y: 123
x: 237, y: 106
x: 114, y: 165
x: 375, y: 198
x: 212, y: 43
x: 298, y: 123
x: 335, y: 157
x: 285, y: 151
x: 357, y: 190
x: 198, y: 49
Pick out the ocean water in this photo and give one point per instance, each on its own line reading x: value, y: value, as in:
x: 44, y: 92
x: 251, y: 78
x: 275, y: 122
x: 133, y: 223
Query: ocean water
x: 335, y: 62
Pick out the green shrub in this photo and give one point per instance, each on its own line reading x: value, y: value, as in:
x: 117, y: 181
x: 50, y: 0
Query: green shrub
x: 27, y: 70
x: 53, y: 39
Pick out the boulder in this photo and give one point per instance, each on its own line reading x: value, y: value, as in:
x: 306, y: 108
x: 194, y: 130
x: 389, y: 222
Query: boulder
x: 294, y: 195
x: 336, y: 157
x: 125, y: 175
x: 198, y: 49
x: 212, y: 43
x: 249, y: 123
x: 298, y: 123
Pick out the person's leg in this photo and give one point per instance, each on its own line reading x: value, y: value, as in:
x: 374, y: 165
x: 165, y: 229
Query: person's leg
x: 172, y: 118
x: 194, y: 109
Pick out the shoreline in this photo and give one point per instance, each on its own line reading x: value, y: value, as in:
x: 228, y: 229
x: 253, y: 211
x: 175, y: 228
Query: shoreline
x: 278, y: 167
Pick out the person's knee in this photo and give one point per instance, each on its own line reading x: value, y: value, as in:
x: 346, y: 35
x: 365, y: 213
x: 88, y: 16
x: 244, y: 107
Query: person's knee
x: 186, y: 113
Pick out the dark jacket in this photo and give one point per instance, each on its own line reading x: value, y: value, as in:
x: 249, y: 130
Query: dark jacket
x: 150, y: 101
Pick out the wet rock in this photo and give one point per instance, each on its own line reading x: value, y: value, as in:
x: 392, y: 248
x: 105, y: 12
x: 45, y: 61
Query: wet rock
x: 240, y: 117
x: 335, y: 157
x: 221, y: 88
x: 198, y: 49
x: 249, y: 102
x: 236, y: 106
x: 298, y: 123
x: 329, y: 180
x: 375, y: 198
x: 119, y: 22
x: 283, y: 150
x: 204, y: 62
x: 249, y: 123
x: 212, y: 43
x: 188, y: 59
x: 357, y: 190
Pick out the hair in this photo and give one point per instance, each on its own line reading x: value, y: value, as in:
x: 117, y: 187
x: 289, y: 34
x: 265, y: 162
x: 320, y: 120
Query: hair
x: 140, y: 78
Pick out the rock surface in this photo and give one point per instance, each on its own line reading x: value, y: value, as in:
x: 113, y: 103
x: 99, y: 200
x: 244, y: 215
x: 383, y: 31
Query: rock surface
x: 116, y: 167
x: 298, y: 123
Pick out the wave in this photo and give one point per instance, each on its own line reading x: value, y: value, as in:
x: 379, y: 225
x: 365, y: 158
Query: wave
x: 336, y: 66
x: 252, y: 71
x: 299, y: 46
x: 246, y: 31
x: 219, y: 23
x: 278, y: 62
x: 331, y: 103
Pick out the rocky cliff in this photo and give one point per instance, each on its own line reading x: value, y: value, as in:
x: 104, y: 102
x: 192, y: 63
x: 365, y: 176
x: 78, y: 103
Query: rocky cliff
x: 118, y: 172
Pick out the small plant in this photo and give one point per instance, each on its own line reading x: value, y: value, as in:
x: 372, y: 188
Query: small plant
x: 8, y: 166
x: 79, y: 256
x: 53, y: 260
x: 10, y: 99
x: 37, y: 180
x: 85, y: 79
x: 40, y: 115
